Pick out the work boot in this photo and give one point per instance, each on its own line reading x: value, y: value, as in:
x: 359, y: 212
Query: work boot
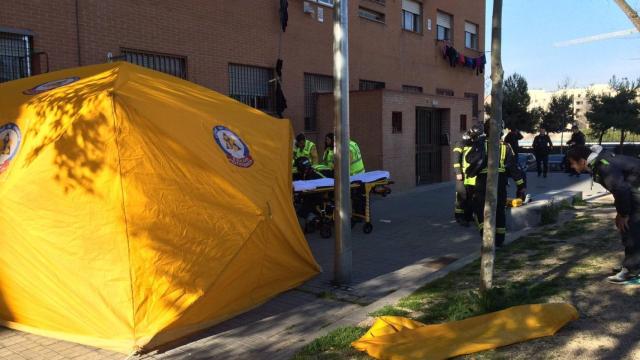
x: 622, y: 276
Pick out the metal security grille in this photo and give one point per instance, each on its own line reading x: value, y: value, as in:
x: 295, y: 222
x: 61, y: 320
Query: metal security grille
x: 314, y: 85
x: 15, y: 56
x: 428, y: 150
x: 444, y: 92
x: 412, y: 89
x: 252, y: 85
x: 168, y: 64
x: 371, y: 85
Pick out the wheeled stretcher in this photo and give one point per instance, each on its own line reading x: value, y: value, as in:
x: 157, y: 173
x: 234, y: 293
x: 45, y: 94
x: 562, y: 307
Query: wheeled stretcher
x: 362, y: 187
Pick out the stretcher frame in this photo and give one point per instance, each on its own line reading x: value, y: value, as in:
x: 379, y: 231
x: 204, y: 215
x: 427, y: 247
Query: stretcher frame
x: 325, y: 209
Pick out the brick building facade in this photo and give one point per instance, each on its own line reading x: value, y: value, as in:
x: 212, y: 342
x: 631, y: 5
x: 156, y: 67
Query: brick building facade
x: 404, y: 90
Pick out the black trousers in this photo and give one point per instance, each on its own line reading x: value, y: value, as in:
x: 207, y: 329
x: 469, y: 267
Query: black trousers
x: 542, y: 162
x: 464, y: 202
x: 501, y: 208
x: 631, y: 238
x: 309, y: 204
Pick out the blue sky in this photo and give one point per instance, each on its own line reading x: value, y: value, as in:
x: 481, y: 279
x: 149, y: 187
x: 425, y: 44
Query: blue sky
x: 531, y: 27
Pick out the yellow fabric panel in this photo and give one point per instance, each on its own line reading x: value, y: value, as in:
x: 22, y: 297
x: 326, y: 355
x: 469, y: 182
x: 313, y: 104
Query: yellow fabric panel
x: 125, y: 224
x: 63, y: 251
x: 397, y: 338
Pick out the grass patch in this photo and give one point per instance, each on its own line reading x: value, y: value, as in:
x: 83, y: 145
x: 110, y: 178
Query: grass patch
x: 550, y: 213
x: 574, y: 228
x: 389, y: 310
x: 471, y: 303
x: 579, y: 202
x: 335, y: 345
x: 533, y: 269
x: 327, y: 295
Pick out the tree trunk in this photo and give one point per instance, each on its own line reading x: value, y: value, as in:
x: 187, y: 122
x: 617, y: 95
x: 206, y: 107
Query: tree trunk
x: 622, y: 136
x: 631, y: 14
x: 601, y: 136
x: 489, y: 226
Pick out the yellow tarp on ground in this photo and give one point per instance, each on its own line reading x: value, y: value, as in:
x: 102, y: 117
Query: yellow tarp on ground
x: 137, y: 208
x: 398, y: 338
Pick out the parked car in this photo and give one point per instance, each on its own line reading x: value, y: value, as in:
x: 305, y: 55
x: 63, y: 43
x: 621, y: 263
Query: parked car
x: 526, y: 161
x: 556, y: 162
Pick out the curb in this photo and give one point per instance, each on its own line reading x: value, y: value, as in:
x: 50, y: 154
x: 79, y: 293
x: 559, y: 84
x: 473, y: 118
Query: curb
x: 357, y: 316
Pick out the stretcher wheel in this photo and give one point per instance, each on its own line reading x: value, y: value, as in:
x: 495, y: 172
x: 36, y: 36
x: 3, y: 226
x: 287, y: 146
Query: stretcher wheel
x: 325, y: 231
x: 367, y: 228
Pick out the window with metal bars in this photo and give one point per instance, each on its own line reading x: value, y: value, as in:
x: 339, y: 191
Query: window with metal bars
x: 396, y: 122
x: 463, y: 122
x: 371, y: 85
x: 169, y: 64
x: 412, y: 89
x: 313, y: 85
x: 15, y: 56
x: 252, y: 85
x: 445, y: 92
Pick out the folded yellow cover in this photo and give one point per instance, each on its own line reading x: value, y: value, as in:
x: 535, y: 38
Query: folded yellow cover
x: 398, y: 338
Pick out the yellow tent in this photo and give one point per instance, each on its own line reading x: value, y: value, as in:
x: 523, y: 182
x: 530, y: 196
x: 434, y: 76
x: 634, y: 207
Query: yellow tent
x: 138, y: 208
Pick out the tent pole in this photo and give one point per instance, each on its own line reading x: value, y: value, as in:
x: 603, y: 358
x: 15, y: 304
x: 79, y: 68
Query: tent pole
x: 342, y: 256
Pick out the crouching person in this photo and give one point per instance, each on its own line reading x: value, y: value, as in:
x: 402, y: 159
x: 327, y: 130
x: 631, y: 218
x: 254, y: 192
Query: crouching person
x: 621, y: 176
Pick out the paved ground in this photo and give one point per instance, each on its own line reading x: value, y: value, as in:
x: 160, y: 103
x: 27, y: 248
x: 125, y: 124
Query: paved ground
x: 412, y: 230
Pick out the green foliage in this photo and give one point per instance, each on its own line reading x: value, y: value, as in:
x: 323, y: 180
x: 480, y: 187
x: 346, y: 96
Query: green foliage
x: 551, y: 212
x: 537, y: 115
x: 389, y: 310
x: 464, y: 305
x: 619, y: 110
x: 515, y: 105
x: 559, y: 114
x: 337, y: 341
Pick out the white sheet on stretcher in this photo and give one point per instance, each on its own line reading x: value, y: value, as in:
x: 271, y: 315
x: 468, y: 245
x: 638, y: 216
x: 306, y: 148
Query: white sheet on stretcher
x: 367, y: 177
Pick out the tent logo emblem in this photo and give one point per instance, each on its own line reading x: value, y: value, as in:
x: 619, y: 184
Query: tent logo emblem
x: 50, y: 85
x: 236, y: 150
x: 10, y: 138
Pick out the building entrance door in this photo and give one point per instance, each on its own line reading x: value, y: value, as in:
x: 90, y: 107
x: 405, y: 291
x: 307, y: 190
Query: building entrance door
x: 428, y: 149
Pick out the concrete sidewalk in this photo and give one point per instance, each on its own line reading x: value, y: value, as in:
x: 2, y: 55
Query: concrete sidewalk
x: 417, y: 237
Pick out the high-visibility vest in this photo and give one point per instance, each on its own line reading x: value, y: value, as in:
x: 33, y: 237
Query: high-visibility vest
x: 468, y: 181
x: 357, y: 165
x: 327, y: 157
x: 503, y: 158
x: 305, y: 151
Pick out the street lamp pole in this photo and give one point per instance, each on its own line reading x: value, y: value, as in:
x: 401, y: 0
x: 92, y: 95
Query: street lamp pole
x: 343, y: 251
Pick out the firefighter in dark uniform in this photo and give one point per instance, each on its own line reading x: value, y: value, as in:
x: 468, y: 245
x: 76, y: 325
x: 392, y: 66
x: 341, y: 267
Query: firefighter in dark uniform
x: 465, y: 185
x: 508, y: 167
x: 621, y: 176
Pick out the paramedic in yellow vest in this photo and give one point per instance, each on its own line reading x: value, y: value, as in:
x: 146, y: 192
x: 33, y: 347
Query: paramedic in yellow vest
x: 356, y: 164
x: 305, y: 148
x: 507, y: 167
x: 465, y: 185
x: 325, y: 165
